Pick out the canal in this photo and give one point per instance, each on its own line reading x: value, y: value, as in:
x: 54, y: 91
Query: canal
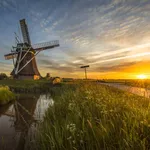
x: 19, y: 120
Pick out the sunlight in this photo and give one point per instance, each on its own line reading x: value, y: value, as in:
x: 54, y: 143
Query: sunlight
x: 142, y: 76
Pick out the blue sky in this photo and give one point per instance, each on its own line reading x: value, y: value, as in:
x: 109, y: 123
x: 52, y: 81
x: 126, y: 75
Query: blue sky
x: 109, y: 35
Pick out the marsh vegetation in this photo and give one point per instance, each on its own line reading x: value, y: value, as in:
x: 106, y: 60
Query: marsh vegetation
x: 92, y: 116
x: 88, y: 115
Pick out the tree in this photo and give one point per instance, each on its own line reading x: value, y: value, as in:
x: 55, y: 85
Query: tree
x: 3, y: 76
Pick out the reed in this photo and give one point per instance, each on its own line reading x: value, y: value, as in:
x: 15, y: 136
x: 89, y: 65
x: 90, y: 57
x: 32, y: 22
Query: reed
x: 93, y: 116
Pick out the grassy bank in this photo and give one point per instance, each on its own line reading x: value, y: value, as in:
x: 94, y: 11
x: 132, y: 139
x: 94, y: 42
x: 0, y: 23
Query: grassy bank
x: 93, y: 116
x: 139, y: 83
x: 144, y: 83
x: 5, y: 95
x: 27, y: 86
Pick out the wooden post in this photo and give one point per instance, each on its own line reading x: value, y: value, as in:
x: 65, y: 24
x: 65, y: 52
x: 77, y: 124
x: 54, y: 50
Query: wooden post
x: 85, y: 70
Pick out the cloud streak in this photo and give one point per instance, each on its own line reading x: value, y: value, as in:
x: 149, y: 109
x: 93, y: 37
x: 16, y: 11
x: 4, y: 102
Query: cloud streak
x: 90, y: 32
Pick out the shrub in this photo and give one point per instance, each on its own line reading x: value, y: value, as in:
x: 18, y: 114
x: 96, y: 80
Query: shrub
x: 3, y: 76
x: 5, y: 95
x: 56, y: 80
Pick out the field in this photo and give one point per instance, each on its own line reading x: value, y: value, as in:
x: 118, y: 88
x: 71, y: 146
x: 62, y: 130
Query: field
x: 92, y: 116
x: 27, y: 86
x: 88, y: 116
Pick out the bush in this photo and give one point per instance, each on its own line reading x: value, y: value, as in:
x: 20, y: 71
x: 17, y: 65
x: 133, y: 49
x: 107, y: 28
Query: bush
x: 3, y: 76
x: 56, y: 80
x: 5, y: 95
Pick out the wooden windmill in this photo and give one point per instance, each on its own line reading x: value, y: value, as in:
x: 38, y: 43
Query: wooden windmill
x: 24, y: 54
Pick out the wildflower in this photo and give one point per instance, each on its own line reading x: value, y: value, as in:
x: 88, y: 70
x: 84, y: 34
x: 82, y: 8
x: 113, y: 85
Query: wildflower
x: 81, y: 132
x: 81, y: 141
x: 111, y: 110
x: 87, y: 92
x: 71, y: 106
x: 69, y: 138
x: 71, y: 127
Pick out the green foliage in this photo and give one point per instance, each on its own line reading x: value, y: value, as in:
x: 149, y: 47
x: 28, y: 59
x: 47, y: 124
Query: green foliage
x: 5, y: 95
x: 93, y: 116
x: 3, y: 76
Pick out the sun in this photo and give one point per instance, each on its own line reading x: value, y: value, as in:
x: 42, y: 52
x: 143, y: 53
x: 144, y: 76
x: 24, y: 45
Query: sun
x: 141, y: 76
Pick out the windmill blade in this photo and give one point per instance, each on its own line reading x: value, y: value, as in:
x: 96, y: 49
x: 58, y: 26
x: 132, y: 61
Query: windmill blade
x: 45, y: 45
x: 10, y: 56
x: 25, y: 32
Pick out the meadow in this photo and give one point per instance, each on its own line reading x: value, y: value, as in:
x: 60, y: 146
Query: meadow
x: 87, y: 116
x: 90, y: 116
x: 27, y: 86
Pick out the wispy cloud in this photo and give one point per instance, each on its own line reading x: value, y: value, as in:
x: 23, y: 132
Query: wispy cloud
x: 90, y: 32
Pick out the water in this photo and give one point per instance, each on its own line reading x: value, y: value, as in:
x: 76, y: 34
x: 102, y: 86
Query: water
x: 135, y: 90
x: 19, y: 120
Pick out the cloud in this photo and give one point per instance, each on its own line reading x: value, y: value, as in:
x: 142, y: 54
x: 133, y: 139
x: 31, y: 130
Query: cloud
x: 5, y: 68
x: 125, y: 67
x: 10, y: 5
x: 90, y: 32
x: 116, y: 68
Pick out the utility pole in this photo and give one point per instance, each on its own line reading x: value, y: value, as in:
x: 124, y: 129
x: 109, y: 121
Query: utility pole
x: 85, y: 70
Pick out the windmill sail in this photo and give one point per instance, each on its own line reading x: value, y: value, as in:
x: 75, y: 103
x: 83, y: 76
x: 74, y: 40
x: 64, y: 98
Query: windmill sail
x: 10, y: 56
x: 25, y: 32
x: 25, y: 66
x: 45, y: 45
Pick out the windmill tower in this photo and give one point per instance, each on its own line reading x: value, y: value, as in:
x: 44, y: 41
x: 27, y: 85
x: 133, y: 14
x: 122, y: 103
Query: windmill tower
x: 24, y: 54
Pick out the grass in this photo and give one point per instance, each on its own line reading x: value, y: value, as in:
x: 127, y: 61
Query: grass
x: 92, y: 117
x: 144, y: 83
x: 5, y: 95
x: 139, y: 83
x: 27, y: 86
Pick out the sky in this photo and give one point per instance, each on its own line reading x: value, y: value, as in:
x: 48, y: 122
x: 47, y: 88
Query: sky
x: 112, y: 36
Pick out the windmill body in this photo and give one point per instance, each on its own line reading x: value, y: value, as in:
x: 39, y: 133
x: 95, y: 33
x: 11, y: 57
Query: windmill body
x: 24, y: 54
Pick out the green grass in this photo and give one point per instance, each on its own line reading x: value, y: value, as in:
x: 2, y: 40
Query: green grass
x: 5, y: 95
x: 92, y: 117
x: 27, y: 86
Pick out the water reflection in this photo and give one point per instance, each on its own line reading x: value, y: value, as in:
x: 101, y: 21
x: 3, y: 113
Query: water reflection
x: 19, y: 119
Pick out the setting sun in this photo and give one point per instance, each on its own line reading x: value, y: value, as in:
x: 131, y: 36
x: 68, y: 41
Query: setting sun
x: 142, y: 76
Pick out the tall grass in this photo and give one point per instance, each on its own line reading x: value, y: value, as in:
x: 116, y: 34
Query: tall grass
x: 5, y: 95
x: 145, y: 83
x: 93, y: 117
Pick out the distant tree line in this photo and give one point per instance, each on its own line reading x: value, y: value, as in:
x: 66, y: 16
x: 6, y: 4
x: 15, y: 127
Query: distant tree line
x: 3, y: 76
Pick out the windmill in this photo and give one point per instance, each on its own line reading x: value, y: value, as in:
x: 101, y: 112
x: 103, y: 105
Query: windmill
x: 24, y: 54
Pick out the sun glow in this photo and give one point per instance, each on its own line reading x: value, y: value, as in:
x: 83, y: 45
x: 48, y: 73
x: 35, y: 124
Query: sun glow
x: 142, y: 76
